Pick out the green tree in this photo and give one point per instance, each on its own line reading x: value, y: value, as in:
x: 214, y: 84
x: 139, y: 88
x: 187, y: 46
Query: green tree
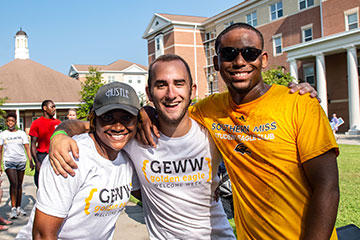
x: 276, y: 75
x: 143, y: 100
x: 89, y: 88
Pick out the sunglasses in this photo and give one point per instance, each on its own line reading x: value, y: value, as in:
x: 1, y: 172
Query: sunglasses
x: 249, y: 54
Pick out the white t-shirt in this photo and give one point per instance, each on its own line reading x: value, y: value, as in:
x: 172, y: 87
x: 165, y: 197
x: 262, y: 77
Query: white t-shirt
x: 178, y: 179
x: 91, y: 201
x: 13, y: 144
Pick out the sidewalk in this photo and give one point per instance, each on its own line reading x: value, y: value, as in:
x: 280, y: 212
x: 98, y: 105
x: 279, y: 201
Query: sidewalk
x: 130, y: 224
x: 348, y: 139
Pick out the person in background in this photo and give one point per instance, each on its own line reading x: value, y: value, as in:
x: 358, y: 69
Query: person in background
x: 88, y: 205
x: 2, y: 220
x: 71, y: 115
x: 16, y: 148
x: 40, y: 131
x: 334, y: 124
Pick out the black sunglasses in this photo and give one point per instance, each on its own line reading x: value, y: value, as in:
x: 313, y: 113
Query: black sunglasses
x: 249, y: 54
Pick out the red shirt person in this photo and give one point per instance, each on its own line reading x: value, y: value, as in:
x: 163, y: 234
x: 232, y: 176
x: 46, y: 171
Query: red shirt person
x: 40, y: 131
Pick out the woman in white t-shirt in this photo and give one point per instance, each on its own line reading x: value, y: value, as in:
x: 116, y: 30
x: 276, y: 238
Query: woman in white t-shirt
x: 16, y: 151
x: 87, y: 205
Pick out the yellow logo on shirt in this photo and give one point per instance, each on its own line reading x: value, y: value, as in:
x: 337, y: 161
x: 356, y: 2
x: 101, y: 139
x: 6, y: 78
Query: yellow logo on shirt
x: 88, y: 199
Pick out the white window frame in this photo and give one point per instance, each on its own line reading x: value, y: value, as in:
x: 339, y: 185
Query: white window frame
x: 276, y: 11
x: 308, y: 65
x: 253, y: 19
x: 159, y: 45
x: 303, y: 29
x: 350, y: 12
x: 111, y: 79
x: 306, y: 4
x: 274, y: 44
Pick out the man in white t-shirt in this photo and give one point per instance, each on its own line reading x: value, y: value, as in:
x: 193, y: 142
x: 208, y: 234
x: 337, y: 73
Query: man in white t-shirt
x: 179, y: 177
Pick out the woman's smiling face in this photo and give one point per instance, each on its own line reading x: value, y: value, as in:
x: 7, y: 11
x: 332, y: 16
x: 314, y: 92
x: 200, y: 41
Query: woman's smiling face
x: 114, y: 130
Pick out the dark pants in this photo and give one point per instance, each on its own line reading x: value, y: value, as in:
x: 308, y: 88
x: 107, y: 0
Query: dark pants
x: 40, y: 156
x: 228, y: 206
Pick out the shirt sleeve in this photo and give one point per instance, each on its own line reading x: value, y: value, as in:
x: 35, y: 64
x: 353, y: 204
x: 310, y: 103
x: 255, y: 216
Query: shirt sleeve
x: 195, y: 112
x: 34, y: 130
x: 55, y: 194
x: 24, y: 138
x: 315, y: 136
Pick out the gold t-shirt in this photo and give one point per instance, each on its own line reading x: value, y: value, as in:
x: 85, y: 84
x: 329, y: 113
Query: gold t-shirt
x: 263, y: 144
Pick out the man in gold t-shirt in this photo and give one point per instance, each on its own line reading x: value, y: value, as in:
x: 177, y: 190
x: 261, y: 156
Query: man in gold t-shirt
x: 278, y: 148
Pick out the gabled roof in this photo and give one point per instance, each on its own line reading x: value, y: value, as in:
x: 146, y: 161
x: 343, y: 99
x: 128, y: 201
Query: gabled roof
x: 183, y: 18
x: 118, y: 65
x: 85, y: 67
x: 122, y: 65
x: 26, y: 81
x: 161, y: 20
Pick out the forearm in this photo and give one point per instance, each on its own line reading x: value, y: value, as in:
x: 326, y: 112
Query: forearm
x: 40, y: 236
x: 73, y: 127
x: 322, y: 175
x: 321, y: 214
x: 33, y: 153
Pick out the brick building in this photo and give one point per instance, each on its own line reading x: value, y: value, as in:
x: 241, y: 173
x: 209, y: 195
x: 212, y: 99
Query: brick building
x: 317, y: 41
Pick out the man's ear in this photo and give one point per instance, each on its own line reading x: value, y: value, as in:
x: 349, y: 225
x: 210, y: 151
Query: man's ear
x: 148, y: 93
x: 264, y: 59
x: 216, y: 63
x: 193, y: 91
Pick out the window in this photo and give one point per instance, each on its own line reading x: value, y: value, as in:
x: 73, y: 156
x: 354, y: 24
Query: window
x: 309, y: 73
x: 130, y: 80
x: 159, y: 47
x: 111, y: 79
x: 276, y: 11
x: 251, y: 19
x: 305, y: 4
x: 277, y: 45
x: 228, y: 24
x: 352, y: 21
x: 139, y: 80
x: 21, y: 123
x: 307, y: 33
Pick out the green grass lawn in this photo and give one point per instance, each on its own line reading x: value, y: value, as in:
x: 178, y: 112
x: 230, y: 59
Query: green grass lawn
x: 349, y: 180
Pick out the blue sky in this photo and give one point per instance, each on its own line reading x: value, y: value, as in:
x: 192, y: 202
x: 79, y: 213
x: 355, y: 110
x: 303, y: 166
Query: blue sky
x: 65, y: 32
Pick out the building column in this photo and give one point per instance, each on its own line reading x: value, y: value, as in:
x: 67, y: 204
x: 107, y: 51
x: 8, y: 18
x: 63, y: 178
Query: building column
x: 17, y: 118
x: 353, y: 91
x: 294, y: 70
x: 321, y: 81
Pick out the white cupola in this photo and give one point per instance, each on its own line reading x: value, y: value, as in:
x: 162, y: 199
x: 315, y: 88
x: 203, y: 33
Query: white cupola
x: 21, y: 45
